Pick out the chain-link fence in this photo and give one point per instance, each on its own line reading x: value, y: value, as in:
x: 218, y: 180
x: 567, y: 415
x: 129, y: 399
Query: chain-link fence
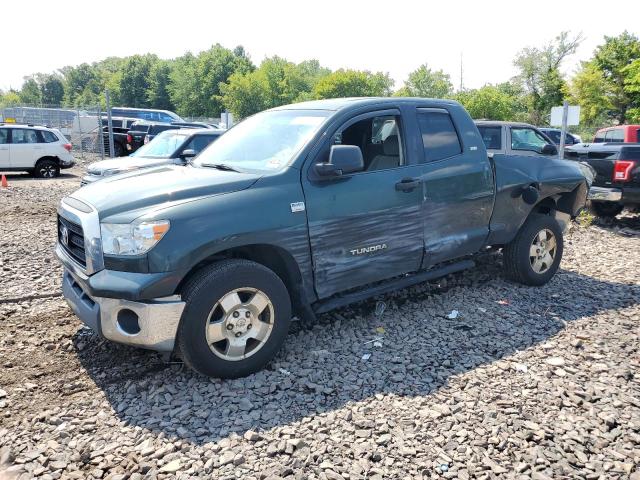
x: 82, y: 126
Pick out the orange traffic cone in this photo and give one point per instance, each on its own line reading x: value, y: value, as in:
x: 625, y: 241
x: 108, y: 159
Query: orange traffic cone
x: 4, y: 183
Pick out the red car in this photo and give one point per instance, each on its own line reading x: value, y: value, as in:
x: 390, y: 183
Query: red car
x: 618, y: 134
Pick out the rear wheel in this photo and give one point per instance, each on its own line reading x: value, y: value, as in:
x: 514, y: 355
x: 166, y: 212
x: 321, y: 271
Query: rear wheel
x: 236, y: 318
x: 606, y: 209
x: 46, y: 169
x: 533, y: 257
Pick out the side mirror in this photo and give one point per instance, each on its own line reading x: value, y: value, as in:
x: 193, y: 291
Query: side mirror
x: 188, y: 153
x: 549, y: 149
x: 343, y: 159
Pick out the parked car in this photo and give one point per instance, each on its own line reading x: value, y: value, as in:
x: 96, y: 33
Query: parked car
x: 299, y: 210
x: 617, y: 181
x: 149, y: 114
x: 618, y: 134
x: 142, y: 132
x: 513, y: 138
x: 555, y: 133
x: 169, y: 147
x: 38, y: 150
x: 120, y: 127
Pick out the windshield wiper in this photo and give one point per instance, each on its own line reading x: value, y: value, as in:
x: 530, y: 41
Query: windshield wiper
x: 220, y: 166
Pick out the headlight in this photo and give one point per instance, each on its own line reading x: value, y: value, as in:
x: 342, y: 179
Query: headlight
x: 132, y: 238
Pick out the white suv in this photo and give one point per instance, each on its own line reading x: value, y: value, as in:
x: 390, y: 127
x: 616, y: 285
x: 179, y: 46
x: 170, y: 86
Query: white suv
x: 38, y: 150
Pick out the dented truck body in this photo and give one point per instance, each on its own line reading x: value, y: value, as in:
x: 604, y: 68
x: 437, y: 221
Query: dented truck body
x: 425, y: 197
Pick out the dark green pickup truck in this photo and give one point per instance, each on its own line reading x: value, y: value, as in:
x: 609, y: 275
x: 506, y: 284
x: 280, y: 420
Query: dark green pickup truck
x: 299, y: 210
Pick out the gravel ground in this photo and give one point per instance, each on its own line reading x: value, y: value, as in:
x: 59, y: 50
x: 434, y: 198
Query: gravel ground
x: 524, y: 383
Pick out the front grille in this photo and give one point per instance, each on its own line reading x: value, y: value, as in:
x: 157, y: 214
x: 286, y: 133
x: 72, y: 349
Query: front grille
x: 74, y: 244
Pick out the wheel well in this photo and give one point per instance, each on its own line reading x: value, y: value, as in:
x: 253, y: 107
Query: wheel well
x: 545, y: 206
x: 55, y: 159
x: 274, y: 258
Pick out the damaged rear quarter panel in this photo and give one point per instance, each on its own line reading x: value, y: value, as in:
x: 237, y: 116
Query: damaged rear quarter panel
x: 553, y: 177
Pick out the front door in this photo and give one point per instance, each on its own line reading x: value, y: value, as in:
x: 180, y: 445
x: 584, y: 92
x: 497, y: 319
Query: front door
x: 458, y: 186
x: 366, y: 226
x: 4, y: 148
x: 25, y: 147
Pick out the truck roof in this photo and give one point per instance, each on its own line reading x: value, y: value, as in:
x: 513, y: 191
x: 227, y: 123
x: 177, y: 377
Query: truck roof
x: 500, y: 122
x: 335, y: 104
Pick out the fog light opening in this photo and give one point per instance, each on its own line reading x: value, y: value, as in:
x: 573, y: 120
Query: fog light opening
x: 128, y: 321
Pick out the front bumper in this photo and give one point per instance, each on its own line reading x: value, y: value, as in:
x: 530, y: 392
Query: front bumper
x: 150, y: 324
x: 604, y: 194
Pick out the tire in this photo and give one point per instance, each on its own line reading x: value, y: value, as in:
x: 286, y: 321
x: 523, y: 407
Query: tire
x: 118, y: 150
x: 206, y: 326
x: 520, y: 266
x: 606, y: 209
x: 46, y: 169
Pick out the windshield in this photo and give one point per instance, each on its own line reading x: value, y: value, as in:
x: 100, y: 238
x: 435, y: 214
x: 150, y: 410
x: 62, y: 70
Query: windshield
x: 267, y: 141
x: 162, y: 146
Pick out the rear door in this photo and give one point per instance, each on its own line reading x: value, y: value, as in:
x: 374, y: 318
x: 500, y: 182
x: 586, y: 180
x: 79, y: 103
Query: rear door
x: 366, y: 226
x: 458, y: 185
x: 4, y: 148
x: 25, y: 147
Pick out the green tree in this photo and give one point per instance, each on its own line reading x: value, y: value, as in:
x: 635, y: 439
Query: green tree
x: 423, y: 82
x: 30, y: 92
x: 135, y: 80
x: 488, y: 102
x: 632, y: 88
x: 9, y: 99
x: 195, y: 82
x: 158, y: 91
x: 612, y: 59
x: 589, y: 89
x: 51, y: 88
x: 353, y: 83
x: 539, y: 74
x: 80, y: 83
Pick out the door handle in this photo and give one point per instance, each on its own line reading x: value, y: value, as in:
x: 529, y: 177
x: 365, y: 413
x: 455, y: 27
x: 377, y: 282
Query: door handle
x: 408, y: 184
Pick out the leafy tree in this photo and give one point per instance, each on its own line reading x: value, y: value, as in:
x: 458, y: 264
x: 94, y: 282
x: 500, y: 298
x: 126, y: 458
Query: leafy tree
x: 353, y: 83
x: 30, y: 92
x: 135, y: 79
x: 9, y: 99
x: 589, y: 89
x: 423, y: 82
x: 488, y: 102
x: 539, y: 74
x: 632, y: 88
x: 51, y: 89
x: 158, y: 90
x: 196, y: 80
x: 245, y: 94
x: 612, y: 59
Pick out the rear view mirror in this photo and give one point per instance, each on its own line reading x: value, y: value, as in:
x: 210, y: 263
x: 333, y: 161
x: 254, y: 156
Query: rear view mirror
x: 549, y: 149
x: 188, y: 153
x: 343, y: 159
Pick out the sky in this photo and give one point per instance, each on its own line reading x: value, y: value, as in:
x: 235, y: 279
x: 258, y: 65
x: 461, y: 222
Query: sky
x: 389, y: 36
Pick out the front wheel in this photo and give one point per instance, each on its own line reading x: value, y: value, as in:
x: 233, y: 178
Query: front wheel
x: 235, y: 320
x: 534, y: 255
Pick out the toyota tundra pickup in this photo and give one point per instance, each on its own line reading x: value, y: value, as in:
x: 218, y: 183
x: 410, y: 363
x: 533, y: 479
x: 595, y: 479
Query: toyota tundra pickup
x: 299, y: 210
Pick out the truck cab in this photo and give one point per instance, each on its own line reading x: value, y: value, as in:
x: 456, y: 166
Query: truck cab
x: 513, y: 138
x: 299, y: 210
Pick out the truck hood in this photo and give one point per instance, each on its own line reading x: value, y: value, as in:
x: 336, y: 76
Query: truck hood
x: 151, y: 187
x: 127, y: 163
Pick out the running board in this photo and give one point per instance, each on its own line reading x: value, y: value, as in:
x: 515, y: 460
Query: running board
x: 395, y: 284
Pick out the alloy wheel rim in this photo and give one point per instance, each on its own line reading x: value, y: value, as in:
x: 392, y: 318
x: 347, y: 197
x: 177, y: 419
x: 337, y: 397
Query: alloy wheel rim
x: 48, y: 171
x: 542, y: 251
x: 240, y: 324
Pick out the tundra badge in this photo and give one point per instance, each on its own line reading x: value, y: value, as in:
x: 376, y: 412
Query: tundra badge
x: 371, y: 249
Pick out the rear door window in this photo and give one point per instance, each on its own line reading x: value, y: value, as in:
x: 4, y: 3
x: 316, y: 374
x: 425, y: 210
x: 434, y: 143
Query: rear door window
x: 492, y: 137
x: 439, y: 136
x: 4, y: 136
x: 599, y: 138
x: 23, y: 135
x: 614, y: 136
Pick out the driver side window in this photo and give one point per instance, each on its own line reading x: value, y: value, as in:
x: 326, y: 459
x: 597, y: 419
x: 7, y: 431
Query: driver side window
x: 527, y: 139
x: 379, y: 140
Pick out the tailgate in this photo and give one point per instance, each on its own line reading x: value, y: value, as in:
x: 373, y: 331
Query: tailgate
x: 604, y: 171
